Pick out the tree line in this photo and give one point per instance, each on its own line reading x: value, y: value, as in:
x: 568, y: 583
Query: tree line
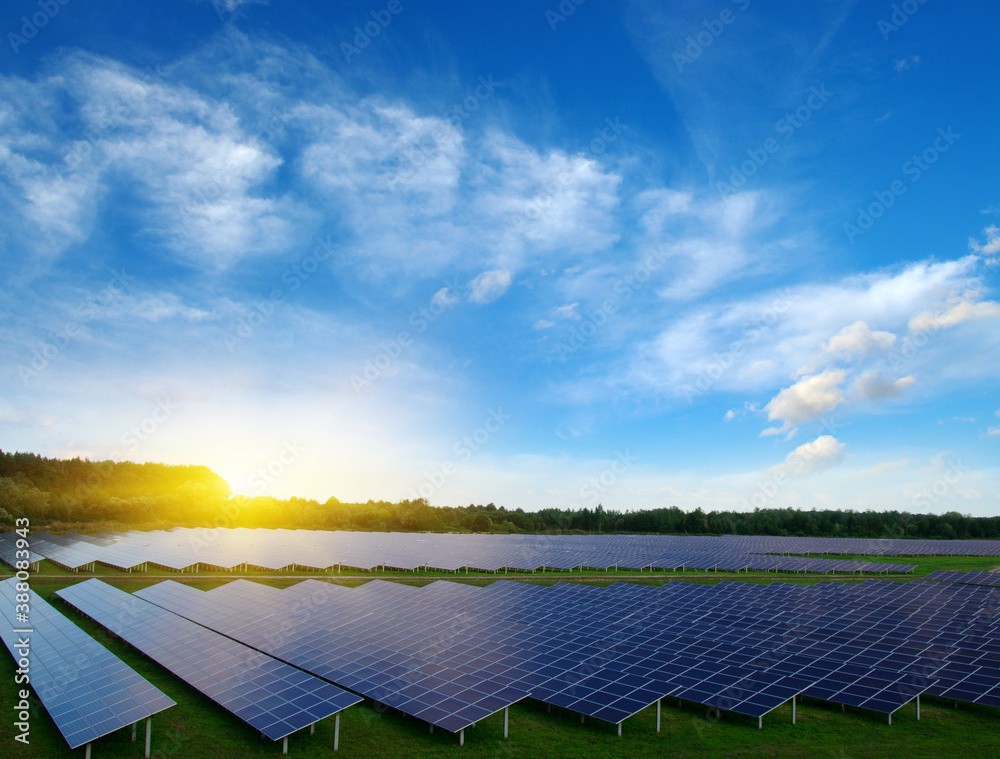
x: 81, y: 494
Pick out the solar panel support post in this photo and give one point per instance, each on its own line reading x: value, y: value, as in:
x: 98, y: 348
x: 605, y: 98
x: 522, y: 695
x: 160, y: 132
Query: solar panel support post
x: 581, y: 719
x: 431, y: 730
x: 284, y: 745
x: 918, y: 706
x: 86, y: 752
x: 134, y: 724
x: 149, y: 735
x: 336, y: 732
x: 890, y: 718
x: 461, y: 737
x: 658, y: 702
x: 506, y: 722
x: 760, y: 723
x: 312, y: 729
x: 619, y: 729
x: 793, y: 709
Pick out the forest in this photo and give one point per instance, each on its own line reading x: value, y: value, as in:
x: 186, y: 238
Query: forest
x: 83, y: 495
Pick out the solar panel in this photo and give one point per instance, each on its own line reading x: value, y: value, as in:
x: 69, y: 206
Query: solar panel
x: 269, y: 695
x: 184, y: 548
x: 86, y: 690
x: 989, y: 579
x: 9, y: 551
x: 423, y: 674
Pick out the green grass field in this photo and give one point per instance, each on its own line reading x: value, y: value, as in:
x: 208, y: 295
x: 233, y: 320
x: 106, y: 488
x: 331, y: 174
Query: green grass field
x: 196, y: 727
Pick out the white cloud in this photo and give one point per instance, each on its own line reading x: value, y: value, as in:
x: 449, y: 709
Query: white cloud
x: 489, y: 286
x: 444, y: 298
x: 535, y: 203
x: 905, y: 63
x: 196, y: 169
x: 808, y: 458
x: 821, y: 453
x: 544, y: 324
x: 992, y: 244
x: 880, y: 469
x: 808, y: 399
x: 958, y: 310
x: 781, y: 333
x: 567, y: 312
x: 703, y: 240
x: 869, y: 386
x: 858, y: 340
x: 25, y: 416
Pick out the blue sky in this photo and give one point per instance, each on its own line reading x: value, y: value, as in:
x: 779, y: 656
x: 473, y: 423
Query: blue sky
x: 721, y: 254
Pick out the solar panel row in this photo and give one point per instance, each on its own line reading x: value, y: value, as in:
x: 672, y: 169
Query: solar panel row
x: 86, y: 690
x: 269, y: 695
x: 605, y: 652
x: 183, y: 548
x: 990, y: 579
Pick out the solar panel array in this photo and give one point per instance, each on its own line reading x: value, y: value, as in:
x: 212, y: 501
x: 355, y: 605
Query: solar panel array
x: 267, y: 694
x: 353, y: 646
x: 86, y: 690
x: 9, y: 550
x: 435, y: 652
x: 990, y: 579
x: 185, y: 548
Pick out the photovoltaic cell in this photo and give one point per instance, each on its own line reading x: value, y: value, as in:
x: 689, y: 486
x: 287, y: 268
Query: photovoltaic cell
x: 267, y: 694
x: 86, y: 690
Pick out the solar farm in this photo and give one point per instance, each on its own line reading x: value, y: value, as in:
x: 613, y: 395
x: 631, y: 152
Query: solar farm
x: 488, y: 643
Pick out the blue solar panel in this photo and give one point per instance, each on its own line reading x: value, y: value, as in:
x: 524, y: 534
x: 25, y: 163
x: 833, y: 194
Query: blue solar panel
x: 269, y: 695
x: 87, y: 690
x: 183, y: 548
